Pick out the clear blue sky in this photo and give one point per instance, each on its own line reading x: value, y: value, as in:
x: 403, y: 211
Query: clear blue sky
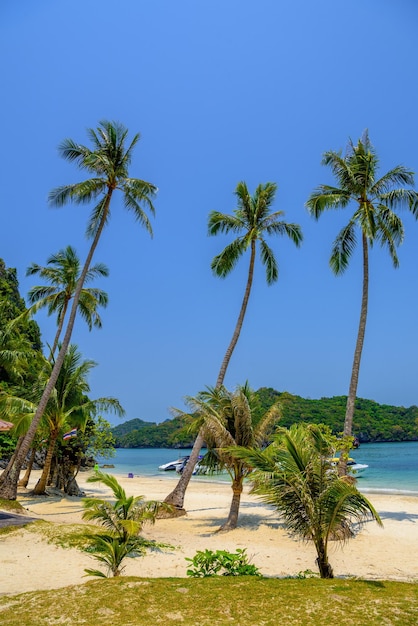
x: 221, y: 91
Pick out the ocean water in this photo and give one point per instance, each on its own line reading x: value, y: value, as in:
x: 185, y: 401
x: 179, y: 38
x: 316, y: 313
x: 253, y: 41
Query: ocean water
x: 393, y: 467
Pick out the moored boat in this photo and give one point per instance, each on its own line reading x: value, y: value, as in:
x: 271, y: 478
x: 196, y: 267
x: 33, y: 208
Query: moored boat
x: 352, y: 465
x: 173, y: 466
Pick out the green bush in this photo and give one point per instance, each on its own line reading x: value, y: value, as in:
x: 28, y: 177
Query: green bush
x: 208, y: 563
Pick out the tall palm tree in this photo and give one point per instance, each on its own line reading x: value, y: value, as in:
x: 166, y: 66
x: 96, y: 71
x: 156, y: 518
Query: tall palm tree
x: 295, y: 476
x: 229, y: 421
x: 62, y: 272
x: 374, y: 218
x: 108, y: 161
x: 251, y: 221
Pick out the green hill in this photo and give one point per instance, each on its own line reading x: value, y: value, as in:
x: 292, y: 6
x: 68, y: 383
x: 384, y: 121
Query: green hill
x: 373, y: 422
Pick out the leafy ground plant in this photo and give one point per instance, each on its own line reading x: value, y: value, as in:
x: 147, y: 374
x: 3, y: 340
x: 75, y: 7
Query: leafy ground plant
x: 208, y: 563
x: 124, y: 519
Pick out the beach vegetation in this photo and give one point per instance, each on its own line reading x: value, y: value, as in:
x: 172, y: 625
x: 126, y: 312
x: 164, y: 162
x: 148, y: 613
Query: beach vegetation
x: 62, y: 272
x: 123, y: 518
x: 374, y: 218
x: 11, y: 505
x: 68, y: 407
x: 221, y: 562
x: 107, y: 160
x: 251, y: 222
x: 294, y: 474
x: 227, y: 421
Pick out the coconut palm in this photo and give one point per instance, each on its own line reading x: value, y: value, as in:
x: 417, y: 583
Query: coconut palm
x: 294, y: 475
x: 374, y: 218
x: 228, y: 420
x: 124, y: 519
x: 63, y: 272
x: 108, y: 161
x: 251, y: 221
x: 70, y: 407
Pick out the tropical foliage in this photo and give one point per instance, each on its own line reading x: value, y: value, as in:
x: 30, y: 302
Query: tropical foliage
x: 123, y: 519
x: 221, y: 562
x: 108, y: 161
x: 294, y: 475
x: 62, y: 272
x: 226, y: 422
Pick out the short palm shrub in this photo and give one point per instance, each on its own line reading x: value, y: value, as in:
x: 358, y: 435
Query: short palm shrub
x: 124, y: 519
x: 208, y: 563
x: 294, y: 474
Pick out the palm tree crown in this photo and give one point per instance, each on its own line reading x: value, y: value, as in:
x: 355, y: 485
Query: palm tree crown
x: 375, y: 200
x: 227, y: 420
x: 62, y: 272
x: 109, y: 160
x: 251, y: 221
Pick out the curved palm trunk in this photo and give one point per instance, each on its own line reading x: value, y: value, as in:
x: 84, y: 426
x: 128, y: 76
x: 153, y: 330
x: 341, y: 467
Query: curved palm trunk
x: 8, y: 487
x: 59, y: 330
x: 40, y: 487
x: 176, y: 497
x: 352, y: 393
x: 232, y: 521
x: 23, y: 482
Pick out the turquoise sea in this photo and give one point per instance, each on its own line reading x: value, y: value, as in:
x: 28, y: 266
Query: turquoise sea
x: 393, y: 467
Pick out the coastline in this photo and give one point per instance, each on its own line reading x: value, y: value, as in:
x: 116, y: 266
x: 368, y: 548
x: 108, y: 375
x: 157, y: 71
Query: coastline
x: 29, y: 562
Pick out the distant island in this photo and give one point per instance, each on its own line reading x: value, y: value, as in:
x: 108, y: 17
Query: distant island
x: 373, y: 422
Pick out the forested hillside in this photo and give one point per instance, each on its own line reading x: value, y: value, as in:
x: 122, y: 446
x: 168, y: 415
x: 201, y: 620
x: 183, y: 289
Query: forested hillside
x: 372, y: 421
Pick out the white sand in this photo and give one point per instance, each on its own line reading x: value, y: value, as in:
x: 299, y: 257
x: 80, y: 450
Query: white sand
x: 29, y: 563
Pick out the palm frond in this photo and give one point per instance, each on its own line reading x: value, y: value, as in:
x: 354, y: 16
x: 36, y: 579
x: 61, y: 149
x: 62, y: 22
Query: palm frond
x: 343, y: 248
x: 224, y: 263
x: 269, y: 262
x: 224, y: 223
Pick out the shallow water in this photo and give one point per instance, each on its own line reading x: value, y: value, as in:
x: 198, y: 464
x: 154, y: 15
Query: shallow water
x: 393, y: 467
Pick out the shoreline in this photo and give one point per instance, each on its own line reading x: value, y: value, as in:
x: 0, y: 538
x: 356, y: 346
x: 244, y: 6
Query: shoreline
x: 30, y: 563
x: 173, y: 476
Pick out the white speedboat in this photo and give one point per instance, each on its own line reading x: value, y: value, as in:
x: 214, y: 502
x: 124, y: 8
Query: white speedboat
x: 173, y: 466
x: 355, y: 467
x: 352, y: 465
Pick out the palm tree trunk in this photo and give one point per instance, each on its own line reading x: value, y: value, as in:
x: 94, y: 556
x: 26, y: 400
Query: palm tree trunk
x: 23, y: 482
x: 59, y: 331
x: 8, y: 489
x: 325, y: 569
x: 176, y: 497
x: 232, y: 521
x: 238, y: 327
x: 40, y: 487
x: 352, y: 393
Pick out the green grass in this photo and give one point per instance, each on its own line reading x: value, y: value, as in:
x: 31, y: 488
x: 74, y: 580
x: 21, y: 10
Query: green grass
x: 218, y: 601
x: 64, y: 535
x: 11, y: 505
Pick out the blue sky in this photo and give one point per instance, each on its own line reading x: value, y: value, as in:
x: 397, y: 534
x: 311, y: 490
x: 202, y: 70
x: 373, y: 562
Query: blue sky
x: 221, y: 91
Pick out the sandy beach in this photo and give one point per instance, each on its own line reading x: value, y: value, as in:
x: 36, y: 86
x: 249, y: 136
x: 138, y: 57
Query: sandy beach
x: 29, y: 562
